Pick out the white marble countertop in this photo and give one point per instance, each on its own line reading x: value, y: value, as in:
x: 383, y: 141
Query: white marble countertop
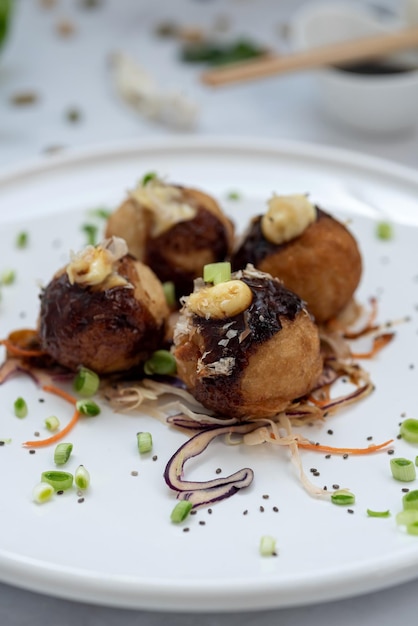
x: 68, y: 76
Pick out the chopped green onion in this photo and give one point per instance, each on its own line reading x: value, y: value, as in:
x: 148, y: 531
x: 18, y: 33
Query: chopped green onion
x: 181, y: 511
x: 82, y: 477
x: 170, y: 293
x: 147, y: 177
x: 7, y: 440
x: 407, y: 517
x: 59, y: 480
x: 20, y: 408
x: 22, y: 240
x: 412, y: 529
x: 403, y: 469
x: 343, y: 497
x: 52, y: 423
x: 101, y: 213
x: 8, y: 277
x: 91, y: 231
x: 384, y: 231
x: 410, y: 500
x: 234, y: 195
x: 62, y: 453
x: 160, y: 362
x: 409, y: 430
x: 217, y: 272
x: 144, y: 441
x: 87, y: 407
x: 267, y: 546
x: 86, y: 383
x: 371, y: 513
x: 42, y: 492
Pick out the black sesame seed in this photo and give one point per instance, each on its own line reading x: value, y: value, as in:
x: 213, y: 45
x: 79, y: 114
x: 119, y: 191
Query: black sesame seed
x: 210, y: 511
x: 275, y: 509
x: 316, y: 474
x: 335, y: 486
x: 391, y: 451
x: 193, y: 512
x: 245, y: 512
x: 327, y: 456
x: 155, y: 457
x: 325, y: 488
x: 134, y: 473
x: 345, y: 456
x: 266, y: 496
x: 218, y: 470
x: 261, y: 509
x: 32, y: 451
x: 60, y: 492
x: 330, y: 432
x: 313, y: 470
x: 202, y: 523
x: 369, y: 438
x: 405, y: 489
x: 36, y: 433
x: 80, y: 500
x: 186, y: 530
x: 41, y: 399
x: 350, y: 511
x: 1, y: 443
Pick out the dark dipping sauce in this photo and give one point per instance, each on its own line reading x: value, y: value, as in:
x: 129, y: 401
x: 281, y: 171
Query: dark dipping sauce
x: 375, y: 69
x: 256, y: 325
x: 255, y: 247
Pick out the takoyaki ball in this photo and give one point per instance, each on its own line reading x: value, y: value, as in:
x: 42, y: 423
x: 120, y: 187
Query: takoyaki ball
x: 175, y: 230
x: 314, y: 254
x: 247, y: 347
x: 104, y: 310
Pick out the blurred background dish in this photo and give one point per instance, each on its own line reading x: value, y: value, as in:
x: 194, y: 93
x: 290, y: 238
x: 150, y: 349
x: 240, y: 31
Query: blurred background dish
x: 371, y: 96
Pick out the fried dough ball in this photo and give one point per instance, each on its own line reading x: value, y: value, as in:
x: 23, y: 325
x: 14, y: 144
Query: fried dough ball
x: 247, y: 347
x: 175, y: 230
x: 104, y: 310
x: 320, y: 261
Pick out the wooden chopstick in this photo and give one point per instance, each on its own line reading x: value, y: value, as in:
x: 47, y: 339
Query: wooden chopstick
x: 333, y: 54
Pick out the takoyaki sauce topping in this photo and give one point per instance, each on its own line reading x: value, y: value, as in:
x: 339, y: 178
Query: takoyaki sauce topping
x: 255, y: 247
x: 233, y: 339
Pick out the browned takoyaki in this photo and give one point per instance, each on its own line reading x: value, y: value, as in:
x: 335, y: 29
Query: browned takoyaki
x: 104, y: 310
x: 314, y: 254
x: 246, y: 347
x: 175, y: 230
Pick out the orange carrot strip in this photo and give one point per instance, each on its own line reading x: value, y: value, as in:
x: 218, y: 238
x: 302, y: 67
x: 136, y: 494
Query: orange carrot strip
x: 59, y: 392
x: 46, y: 442
x: 16, y: 351
x: 379, y: 342
x: 320, y: 448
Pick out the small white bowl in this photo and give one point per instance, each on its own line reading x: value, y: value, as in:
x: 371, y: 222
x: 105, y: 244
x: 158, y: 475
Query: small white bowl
x: 378, y: 103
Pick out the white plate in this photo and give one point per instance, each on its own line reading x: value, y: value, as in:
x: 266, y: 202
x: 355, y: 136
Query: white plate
x: 118, y: 547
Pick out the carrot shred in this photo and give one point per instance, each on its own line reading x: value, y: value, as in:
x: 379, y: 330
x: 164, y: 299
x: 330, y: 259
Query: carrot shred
x: 57, y: 436
x: 321, y: 448
x: 379, y: 342
x: 16, y: 351
x: 59, y: 392
x: 38, y: 443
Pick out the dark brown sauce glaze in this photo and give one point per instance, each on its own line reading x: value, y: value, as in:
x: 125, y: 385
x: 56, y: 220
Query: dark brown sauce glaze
x: 76, y: 320
x: 204, y: 231
x: 255, y: 247
x: 271, y: 302
x: 259, y: 323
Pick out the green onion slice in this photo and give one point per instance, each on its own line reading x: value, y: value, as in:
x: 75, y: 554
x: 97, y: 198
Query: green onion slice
x: 62, y: 453
x: 144, y: 441
x: 409, y: 430
x: 267, y: 546
x: 8, y: 277
x: 20, y: 408
x: 181, y: 511
x: 87, y: 407
x: 59, y: 480
x: 233, y: 195
x: 86, y: 383
x: 371, y: 513
x: 217, y: 272
x: 42, y: 492
x: 160, y: 362
x: 403, y: 469
x: 343, y: 497
x: 170, y: 293
x: 147, y: 177
x: 412, y: 529
x: 82, y: 477
x: 410, y: 500
x: 91, y: 231
x: 407, y: 517
x: 22, y: 240
x: 52, y: 423
x: 384, y: 231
